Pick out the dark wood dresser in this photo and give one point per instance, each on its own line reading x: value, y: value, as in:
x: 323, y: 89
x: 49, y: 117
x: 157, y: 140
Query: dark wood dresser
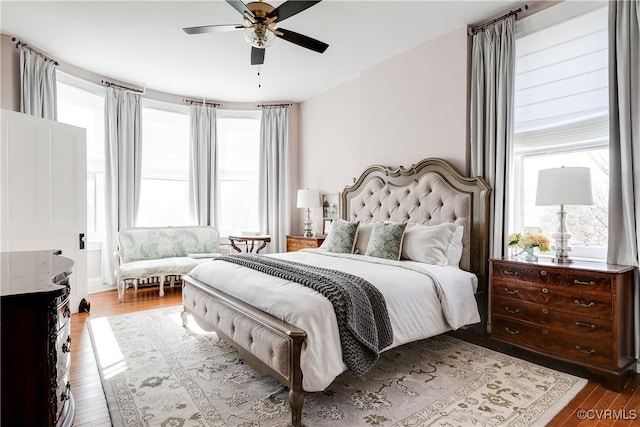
x: 36, y: 339
x: 295, y: 243
x: 580, y: 312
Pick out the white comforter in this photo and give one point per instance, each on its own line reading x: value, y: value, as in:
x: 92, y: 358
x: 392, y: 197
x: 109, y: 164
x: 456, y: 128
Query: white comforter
x: 423, y: 301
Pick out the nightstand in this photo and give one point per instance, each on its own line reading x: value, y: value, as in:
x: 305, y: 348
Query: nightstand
x: 580, y: 313
x: 295, y: 243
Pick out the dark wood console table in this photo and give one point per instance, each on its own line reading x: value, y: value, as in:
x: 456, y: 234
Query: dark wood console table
x: 36, y: 339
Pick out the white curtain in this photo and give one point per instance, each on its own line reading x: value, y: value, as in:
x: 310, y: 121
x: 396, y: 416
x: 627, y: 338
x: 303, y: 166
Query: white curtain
x: 624, y: 141
x: 38, y: 85
x: 123, y: 169
x: 203, y: 164
x: 273, y: 203
x: 492, y: 76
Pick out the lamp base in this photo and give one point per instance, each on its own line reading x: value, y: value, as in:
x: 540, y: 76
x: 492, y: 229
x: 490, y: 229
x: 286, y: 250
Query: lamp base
x: 562, y: 260
x: 561, y: 237
x: 308, y: 228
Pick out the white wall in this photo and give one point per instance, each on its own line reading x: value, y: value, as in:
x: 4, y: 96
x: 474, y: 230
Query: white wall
x: 395, y: 113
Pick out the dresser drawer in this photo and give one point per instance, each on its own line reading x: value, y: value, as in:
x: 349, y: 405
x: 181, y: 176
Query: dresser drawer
x: 63, y: 352
x: 579, y: 281
x: 63, y: 311
x: 297, y: 243
x: 63, y: 394
x: 572, y: 323
x: 553, y: 342
x: 562, y: 299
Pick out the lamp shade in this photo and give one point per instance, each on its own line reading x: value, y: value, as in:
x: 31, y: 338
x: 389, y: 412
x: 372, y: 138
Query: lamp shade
x: 308, y: 198
x: 564, y: 186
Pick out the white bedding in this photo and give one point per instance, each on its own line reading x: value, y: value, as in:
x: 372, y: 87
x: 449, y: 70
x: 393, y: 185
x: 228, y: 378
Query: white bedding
x: 423, y: 301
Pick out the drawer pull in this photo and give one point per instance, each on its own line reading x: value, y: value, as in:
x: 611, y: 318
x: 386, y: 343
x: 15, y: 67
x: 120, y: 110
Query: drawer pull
x: 579, y: 282
x: 66, y: 347
x: 511, y: 273
x: 545, y: 311
x: 516, y: 332
x: 515, y: 291
x: 581, y: 304
x: 592, y: 351
x: 66, y: 395
x: 544, y: 290
x: 543, y: 273
x: 587, y: 325
x: 511, y: 310
x: 545, y: 332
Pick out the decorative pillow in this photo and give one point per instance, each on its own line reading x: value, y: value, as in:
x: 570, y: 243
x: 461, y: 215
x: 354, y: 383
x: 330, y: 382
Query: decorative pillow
x: 429, y: 243
x: 362, y: 239
x: 341, y: 237
x: 386, y: 240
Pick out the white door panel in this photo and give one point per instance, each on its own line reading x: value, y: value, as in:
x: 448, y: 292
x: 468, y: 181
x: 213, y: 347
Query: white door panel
x: 44, y: 191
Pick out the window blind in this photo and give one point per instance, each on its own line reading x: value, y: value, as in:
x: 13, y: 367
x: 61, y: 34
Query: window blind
x: 561, y: 83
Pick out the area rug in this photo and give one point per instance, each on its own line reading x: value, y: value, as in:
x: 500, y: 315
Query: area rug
x: 157, y: 373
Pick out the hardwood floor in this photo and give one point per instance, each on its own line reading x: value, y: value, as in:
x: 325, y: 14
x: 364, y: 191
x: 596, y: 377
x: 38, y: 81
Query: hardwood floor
x: 91, y: 406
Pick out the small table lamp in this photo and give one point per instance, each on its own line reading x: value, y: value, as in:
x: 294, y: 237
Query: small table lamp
x: 563, y: 186
x: 308, y: 199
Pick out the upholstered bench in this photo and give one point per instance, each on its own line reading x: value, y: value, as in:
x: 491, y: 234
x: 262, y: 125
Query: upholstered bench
x: 146, y: 252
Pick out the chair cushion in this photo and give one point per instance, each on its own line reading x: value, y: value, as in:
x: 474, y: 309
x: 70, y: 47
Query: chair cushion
x: 159, y: 267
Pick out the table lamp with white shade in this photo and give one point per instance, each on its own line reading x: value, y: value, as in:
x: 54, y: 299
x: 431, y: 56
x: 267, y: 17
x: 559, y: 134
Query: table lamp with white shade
x: 563, y: 186
x: 308, y: 199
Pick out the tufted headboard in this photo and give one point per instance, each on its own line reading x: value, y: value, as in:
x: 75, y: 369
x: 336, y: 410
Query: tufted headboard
x: 429, y: 192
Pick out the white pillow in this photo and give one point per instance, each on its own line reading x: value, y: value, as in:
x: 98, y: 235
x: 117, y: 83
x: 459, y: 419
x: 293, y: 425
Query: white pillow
x: 454, y: 253
x: 362, y: 238
x: 429, y: 243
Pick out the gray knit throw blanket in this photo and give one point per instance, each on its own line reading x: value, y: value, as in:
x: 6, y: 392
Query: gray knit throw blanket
x: 363, y: 320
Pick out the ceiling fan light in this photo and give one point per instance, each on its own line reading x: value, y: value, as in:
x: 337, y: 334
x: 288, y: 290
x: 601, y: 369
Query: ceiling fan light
x: 259, y: 36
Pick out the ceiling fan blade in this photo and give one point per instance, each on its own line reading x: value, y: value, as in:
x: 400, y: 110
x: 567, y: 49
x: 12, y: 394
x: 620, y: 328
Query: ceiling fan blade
x: 302, y: 40
x: 257, y: 56
x: 240, y: 7
x: 212, y: 29
x: 290, y: 8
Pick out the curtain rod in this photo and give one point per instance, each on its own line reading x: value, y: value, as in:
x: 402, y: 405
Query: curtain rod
x: 37, y: 52
x: 203, y: 102
x: 111, y: 84
x: 273, y: 105
x: 475, y: 30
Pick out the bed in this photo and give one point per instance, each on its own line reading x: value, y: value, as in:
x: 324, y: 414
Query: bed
x: 290, y: 332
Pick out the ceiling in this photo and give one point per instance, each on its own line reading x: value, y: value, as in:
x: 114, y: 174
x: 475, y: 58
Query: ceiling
x: 142, y: 43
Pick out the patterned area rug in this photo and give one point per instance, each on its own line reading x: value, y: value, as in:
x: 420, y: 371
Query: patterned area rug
x: 156, y: 373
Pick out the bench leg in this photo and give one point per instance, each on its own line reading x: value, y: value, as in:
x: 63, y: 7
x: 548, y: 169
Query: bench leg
x: 184, y: 317
x: 296, y: 401
x: 121, y: 287
x: 162, y: 286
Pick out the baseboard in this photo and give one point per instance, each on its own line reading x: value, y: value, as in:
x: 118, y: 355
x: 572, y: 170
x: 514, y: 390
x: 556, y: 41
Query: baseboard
x: 97, y: 285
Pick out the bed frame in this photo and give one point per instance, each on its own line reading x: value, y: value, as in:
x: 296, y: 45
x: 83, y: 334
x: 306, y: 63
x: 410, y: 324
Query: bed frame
x: 431, y: 192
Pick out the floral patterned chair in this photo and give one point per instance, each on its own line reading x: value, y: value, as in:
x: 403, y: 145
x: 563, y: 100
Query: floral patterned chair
x: 147, y: 252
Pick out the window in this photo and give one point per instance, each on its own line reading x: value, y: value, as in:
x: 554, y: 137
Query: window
x: 238, y: 135
x: 81, y: 104
x: 164, y: 190
x: 561, y: 119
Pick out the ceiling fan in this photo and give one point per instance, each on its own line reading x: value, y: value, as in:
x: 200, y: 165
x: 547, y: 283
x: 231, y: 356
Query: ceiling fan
x: 261, y: 26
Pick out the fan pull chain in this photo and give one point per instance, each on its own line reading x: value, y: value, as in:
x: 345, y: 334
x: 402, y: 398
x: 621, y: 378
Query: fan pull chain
x: 259, y: 78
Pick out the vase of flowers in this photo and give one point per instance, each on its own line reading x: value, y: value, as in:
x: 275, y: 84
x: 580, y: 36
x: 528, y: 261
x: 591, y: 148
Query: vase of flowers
x: 527, y: 244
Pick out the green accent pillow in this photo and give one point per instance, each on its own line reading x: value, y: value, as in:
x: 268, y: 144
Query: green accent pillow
x: 342, y: 237
x: 386, y: 240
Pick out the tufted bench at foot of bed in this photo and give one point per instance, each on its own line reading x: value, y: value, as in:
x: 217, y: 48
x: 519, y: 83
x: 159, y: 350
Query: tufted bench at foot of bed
x: 269, y: 345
